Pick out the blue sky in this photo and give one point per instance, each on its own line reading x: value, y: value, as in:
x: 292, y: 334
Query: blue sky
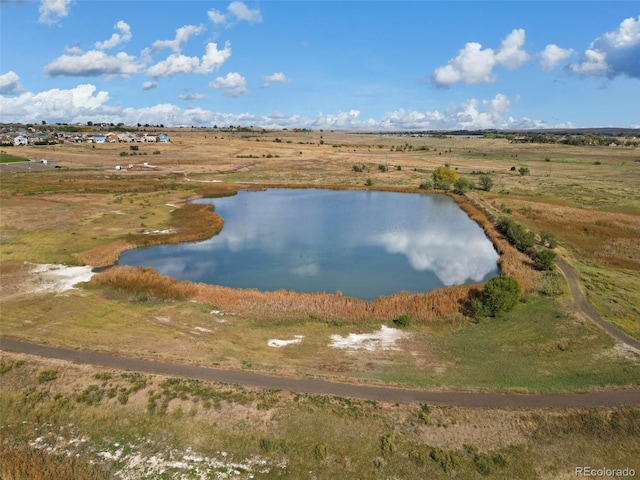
x: 322, y: 64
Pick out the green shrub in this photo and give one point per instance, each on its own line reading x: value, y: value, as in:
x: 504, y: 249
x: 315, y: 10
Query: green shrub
x: 47, y: 375
x: 486, y: 183
x: 402, y: 321
x: 500, y: 295
x: 518, y: 235
x: 544, y: 259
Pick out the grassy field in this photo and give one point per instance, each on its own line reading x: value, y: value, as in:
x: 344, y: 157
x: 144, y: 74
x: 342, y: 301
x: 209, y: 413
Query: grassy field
x: 96, y: 422
x: 87, y: 212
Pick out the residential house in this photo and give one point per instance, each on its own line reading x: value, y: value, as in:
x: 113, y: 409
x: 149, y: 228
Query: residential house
x: 20, y: 140
x: 163, y: 138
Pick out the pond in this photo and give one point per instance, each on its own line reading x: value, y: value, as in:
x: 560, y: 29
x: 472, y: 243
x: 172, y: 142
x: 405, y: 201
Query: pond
x: 364, y: 244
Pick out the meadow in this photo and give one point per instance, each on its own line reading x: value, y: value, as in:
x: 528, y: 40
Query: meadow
x: 86, y: 213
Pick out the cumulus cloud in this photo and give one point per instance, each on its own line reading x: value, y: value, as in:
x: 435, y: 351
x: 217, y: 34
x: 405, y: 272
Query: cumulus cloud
x: 233, y: 84
x: 182, y: 37
x: 93, y: 63
x: 84, y: 103
x: 10, y: 84
x: 55, y: 104
x: 236, y: 12
x: 123, y: 36
x: 510, y: 53
x: 179, y: 63
x: 277, y: 77
x: 149, y: 85
x: 474, y: 65
x: 52, y: 10
x: 614, y: 53
x: 552, y: 56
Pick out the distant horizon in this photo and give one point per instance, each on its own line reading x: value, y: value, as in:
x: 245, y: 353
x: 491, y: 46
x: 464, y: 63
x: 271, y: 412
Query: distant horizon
x: 350, y: 65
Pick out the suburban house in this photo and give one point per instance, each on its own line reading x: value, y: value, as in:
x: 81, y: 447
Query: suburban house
x: 99, y: 139
x: 163, y: 138
x: 20, y: 140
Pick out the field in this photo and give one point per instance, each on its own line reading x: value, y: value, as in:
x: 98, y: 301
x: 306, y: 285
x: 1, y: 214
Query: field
x: 86, y: 213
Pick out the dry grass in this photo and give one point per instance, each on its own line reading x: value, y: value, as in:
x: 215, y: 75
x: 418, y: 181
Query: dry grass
x: 429, y: 306
x: 24, y: 463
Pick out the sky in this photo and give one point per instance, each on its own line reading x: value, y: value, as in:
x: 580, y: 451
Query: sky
x: 369, y: 65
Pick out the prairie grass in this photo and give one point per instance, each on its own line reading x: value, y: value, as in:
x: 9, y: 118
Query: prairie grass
x: 54, y: 436
x: 22, y: 462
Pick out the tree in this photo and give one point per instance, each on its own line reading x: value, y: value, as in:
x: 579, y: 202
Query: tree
x: 548, y: 239
x: 443, y: 177
x: 486, y: 183
x: 544, y: 259
x: 461, y: 186
x: 500, y: 295
x: 517, y: 234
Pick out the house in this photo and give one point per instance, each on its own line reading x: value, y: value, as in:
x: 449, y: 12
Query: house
x: 20, y: 140
x: 149, y: 138
x: 112, y: 138
x: 99, y: 139
x: 163, y: 138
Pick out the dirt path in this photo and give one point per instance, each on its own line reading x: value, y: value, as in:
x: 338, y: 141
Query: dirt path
x: 609, y: 398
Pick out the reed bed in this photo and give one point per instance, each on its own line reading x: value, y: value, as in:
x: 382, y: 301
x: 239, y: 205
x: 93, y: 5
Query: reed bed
x: 146, y: 283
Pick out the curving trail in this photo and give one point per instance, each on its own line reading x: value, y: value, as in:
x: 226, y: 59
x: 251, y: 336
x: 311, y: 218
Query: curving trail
x: 608, y: 398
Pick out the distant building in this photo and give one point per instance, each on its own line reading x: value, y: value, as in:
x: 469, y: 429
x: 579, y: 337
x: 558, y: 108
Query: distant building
x: 100, y: 139
x: 163, y: 138
x: 20, y: 140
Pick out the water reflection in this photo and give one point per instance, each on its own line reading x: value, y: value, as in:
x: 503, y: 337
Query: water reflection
x: 364, y: 244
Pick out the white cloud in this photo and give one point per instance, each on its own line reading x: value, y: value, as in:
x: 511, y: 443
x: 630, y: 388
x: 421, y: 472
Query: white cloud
x: 552, y: 55
x: 510, y: 53
x: 277, y: 77
x: 149, y: 85
x: 83, y: 103
x: 75, y: 50
x: 54, y: 105
x: 116, y: 38
x: 240, y: 11
x: 191, y: 96
x: 614, y: 53
x: 236, y: 12
x: 10, y: 84
x: 93, y: 63
x: 182, y: 37
x: 233, y: 84
x: 52, y: 10
x: 178, y: 63
x: 474, y: 65
x: 593, y: 63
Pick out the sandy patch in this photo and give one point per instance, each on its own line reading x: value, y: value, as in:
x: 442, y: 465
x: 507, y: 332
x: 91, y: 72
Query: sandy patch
x: 277, y: 343
x: 383, y: 339
x: 60, y: 278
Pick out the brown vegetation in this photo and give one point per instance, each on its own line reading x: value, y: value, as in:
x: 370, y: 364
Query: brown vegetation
x: 429, y: 306
x: 22, y: 462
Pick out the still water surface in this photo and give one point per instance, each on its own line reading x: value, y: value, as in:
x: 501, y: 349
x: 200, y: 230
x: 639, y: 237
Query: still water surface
x: 364, y: 244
